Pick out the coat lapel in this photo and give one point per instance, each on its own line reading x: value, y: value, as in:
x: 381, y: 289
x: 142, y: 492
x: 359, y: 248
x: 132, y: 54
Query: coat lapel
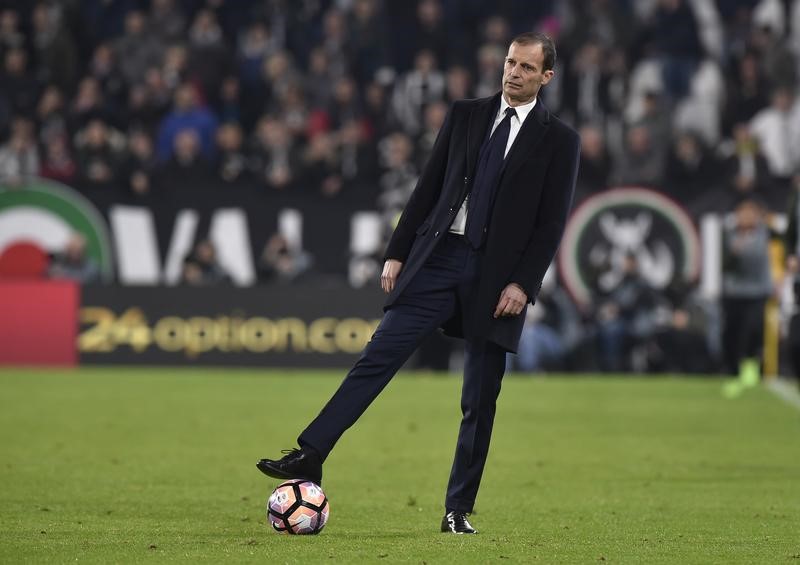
x: 480, y: 118
x: 527, y: 139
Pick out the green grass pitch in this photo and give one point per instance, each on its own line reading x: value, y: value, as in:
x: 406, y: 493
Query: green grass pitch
x: 144, y: 465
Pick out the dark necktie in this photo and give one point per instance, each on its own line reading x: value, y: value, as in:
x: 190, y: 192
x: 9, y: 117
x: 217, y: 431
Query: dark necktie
x: 487, y: 175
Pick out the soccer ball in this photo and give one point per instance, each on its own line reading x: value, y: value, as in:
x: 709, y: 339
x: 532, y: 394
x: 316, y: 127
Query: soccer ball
x: 298, y: 507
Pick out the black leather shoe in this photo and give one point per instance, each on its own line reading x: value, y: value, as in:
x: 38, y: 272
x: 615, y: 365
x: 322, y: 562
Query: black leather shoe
x: 455, y: 522
x: 303, y: 464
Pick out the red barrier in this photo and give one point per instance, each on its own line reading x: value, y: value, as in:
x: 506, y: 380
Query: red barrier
x: 38, y: 322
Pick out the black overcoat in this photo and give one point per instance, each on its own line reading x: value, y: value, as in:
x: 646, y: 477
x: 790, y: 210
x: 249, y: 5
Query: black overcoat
x: 531, y: 205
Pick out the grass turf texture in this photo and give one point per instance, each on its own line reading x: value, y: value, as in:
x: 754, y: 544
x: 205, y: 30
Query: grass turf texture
x: 123, y: 465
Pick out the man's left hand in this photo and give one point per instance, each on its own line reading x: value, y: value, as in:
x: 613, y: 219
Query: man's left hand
x: 512, y: 300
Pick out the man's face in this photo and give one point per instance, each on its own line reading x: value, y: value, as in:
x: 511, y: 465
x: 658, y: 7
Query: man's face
x: 523, y: 75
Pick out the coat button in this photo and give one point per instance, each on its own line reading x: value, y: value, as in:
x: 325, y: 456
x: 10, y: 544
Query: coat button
x: 436, y: 234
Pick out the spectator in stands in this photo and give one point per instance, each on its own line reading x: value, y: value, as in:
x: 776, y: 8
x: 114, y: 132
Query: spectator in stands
x: 273, y: 158
x: 140, y: 168
x: 255, y: 44
x: 293, y: 108
x: 201, y: 267
x: 73, y: 262
x: 431, y: 33
x: 278, y: 74
x: 434, y: 118
x: 745, y: 173
x: 376, y: 111
x: 681, y: 345
x: 458, y: 84
x: 20, y: 85
x: 99, y: 155
x: 368, y: 45
x: 227, y: 102
x: 398, y: 176
x: 414, y: 90
x: 358, y: 161
x: 54, y: 47
x: 345, y: 104
x: 232, y: 161
x: 105, y: 69
x: 166, y: 20
x: 141, y: 111
x: 187, y: 168
x: 280, y: 263
x: 57, y: 162
x: 318, y: 80
x: 322, y: 166
x: 605, y: 21
x: 775, y: 130
x: 11, y: 37
x: 159, y: 91
x: 174, y: 69
x: 209, y: 58
x: 187, y: 114
x: 775, y: 58
x: 584, y: 96
x: 50, y: 114
x: 746, y: 285
x: 642, y: 161
x: 19, y: 156
x: 101, y: 21
x: 496, y: 31
x: 625, y: 317
x: 746, y: 93
x: 88, y: 104
x: 656, y: 118
x: 595, y: 165
x: 676, y: 40
x: 691, y: 170
x: 137, y: 49
x: 335, y: 42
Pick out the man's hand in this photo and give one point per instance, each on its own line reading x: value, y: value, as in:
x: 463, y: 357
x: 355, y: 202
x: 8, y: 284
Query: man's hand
x: 512, y: 300
x: 391, y: 269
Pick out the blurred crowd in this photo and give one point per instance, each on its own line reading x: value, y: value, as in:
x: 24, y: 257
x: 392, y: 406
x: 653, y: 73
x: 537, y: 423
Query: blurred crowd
x: 693, y: 97
x: 344, y: 99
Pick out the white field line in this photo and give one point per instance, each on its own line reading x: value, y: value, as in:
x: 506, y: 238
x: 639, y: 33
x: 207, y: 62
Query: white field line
x: 788, y: 392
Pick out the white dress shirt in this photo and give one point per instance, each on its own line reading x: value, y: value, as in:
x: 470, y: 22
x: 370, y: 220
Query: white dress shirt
x: 460, y: 221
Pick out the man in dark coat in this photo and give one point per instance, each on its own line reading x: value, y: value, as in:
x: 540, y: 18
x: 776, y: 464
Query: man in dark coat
x: 468, y: 254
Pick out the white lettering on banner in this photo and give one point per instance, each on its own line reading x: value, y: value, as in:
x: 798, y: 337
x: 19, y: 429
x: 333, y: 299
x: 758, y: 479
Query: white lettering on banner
x: 136, y: 246
x: 290, y: 226
x: 231, y: 237
x: 139, y: 261
x: 366, y: 229
x: 180, y: 245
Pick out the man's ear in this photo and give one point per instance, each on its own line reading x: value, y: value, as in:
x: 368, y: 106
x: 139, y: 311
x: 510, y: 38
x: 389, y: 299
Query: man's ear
x: 546, y: 76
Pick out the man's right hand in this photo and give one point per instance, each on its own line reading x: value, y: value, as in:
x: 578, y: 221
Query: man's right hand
x: 391, y: 269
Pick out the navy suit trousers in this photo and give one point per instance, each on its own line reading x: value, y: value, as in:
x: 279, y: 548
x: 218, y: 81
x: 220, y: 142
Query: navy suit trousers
x: 447, y: 281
